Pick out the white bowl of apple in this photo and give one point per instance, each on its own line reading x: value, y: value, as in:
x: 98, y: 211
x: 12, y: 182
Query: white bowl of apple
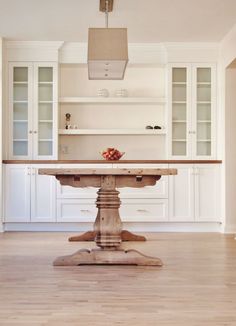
x: 112, y: 154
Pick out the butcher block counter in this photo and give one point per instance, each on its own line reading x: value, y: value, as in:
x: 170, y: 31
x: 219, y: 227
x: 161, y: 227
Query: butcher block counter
x: 112, y: 162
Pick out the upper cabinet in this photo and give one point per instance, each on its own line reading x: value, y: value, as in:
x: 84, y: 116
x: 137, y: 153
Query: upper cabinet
x: 33, y: 110
x: 192, y: 111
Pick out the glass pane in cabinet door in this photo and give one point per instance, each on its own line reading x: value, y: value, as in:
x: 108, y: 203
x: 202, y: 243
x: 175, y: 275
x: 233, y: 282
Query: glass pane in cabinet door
x: 45, y: 111
x: 20, y: 111
x: 179, y: 148
x: 20, y: 148
x: 45, y: 138
x: 45, y: 74
x: 20, y: 74
x: 179, y: 111
x: 45, y: 148
x: 203, y: 114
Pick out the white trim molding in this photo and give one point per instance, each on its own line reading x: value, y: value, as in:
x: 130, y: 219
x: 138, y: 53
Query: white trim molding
x: 32, y: 50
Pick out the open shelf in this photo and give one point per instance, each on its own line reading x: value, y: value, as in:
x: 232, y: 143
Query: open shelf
x: 71, y: 132
x: 125, y: 100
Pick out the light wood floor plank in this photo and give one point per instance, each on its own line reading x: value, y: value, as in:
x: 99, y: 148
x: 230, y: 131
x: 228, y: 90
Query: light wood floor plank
x: 195, y: 287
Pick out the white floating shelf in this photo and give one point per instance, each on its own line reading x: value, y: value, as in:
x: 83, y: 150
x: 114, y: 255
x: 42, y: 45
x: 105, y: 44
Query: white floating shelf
x: 125, y: 100
x: 71, y: 132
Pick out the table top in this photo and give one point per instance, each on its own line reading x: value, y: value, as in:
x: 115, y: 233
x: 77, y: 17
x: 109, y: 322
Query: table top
x: 113, y: 171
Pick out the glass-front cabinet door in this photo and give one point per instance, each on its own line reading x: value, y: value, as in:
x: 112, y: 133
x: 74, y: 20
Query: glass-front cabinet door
x: 179, y: 112
x: 204, y: 111
x: 33, y: 111
x: 192, y: 113
x: 45, y: 122
x: 20, y: 110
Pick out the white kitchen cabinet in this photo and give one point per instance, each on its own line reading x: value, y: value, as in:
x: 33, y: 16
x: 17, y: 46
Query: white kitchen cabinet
x: 181, y: 194
x: 17, y: 193
x: 207, y: 190
x: 29, y: 197
x: 33, y: 110
x: 192, y: 111
x: 193, y: 193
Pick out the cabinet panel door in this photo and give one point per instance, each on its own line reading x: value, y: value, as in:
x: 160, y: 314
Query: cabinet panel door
x: 207, y: 187
x: 20, y: 110
x: 43, y: 196
x: 181, y: 194
x: 17, y: 193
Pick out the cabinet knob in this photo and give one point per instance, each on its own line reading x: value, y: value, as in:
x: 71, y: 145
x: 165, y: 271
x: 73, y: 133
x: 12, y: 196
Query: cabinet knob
x: 30, y: 131
x: 35, y: 131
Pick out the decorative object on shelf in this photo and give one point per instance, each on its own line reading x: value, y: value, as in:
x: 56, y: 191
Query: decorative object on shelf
x: 122, y: 92
x: 107, y: 49
x: 155, y: 127
x: 68, y: 125
x: 103, y: 92
x: 112, y: 154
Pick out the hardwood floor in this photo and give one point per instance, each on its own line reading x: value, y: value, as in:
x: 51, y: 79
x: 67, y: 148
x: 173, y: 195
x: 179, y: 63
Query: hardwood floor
x: 195, y: 287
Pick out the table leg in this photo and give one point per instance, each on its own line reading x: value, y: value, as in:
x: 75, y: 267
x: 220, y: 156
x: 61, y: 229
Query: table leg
x: 90, y: 236
x: 108, y: 228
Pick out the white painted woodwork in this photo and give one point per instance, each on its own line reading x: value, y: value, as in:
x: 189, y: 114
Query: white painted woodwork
x: 181, y: 194
x: 43, y: 196
x: 144, y: 210
x: 207, y: 191
x: 29, y: 197
x: 160, y: 190
x: 131, y: 131
x: 123, y: 118
x: 75, y: 210
x: 17, y: 193
x: 38, y: 130
x: 192, y: 131
x: 194, y: 193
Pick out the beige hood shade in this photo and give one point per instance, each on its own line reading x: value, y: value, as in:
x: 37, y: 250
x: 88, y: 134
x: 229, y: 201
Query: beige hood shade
x: 107, y: 49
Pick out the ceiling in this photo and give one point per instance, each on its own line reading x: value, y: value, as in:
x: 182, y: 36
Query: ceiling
x: 150, y: 21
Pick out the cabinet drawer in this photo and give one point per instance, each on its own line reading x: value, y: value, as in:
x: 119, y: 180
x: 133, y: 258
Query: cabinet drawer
x: 73, y: 210
x: 148, y: 211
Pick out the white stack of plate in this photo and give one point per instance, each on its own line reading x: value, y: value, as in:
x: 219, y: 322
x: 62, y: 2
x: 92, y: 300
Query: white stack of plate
x: 122, y: 92
x: 103, y: 92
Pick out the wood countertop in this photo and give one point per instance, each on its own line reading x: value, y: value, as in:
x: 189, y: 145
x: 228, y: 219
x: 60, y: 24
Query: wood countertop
x: 112, y: 162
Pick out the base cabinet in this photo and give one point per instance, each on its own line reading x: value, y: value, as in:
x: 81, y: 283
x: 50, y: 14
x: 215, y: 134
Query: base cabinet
x: 194, y: 193
x: 190, y: 196
x: 29, y: 197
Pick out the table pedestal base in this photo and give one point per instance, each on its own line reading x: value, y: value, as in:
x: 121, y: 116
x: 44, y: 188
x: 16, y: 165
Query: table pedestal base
x: 91, y: 235
x: 107, y: 257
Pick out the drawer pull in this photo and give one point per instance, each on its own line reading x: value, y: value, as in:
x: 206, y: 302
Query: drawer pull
x: 142, y: 211
x: 85, y: 210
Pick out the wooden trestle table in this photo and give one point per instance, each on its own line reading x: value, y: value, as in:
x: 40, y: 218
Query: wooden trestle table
x: 108, y: 225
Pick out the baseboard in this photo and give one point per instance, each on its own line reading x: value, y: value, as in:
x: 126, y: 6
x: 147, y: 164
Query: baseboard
x: 229, y: 229
x: 134, y: 227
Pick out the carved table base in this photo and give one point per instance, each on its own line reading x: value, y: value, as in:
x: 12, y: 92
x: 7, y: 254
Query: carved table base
x: 107, y: 233
x: 107, y: 257
x: 91, y: 235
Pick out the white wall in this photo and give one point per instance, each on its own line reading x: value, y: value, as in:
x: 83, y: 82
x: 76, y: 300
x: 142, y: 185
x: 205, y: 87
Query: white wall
x: 227, y: 96
x: 230, y: 149
x: 1, y: 226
